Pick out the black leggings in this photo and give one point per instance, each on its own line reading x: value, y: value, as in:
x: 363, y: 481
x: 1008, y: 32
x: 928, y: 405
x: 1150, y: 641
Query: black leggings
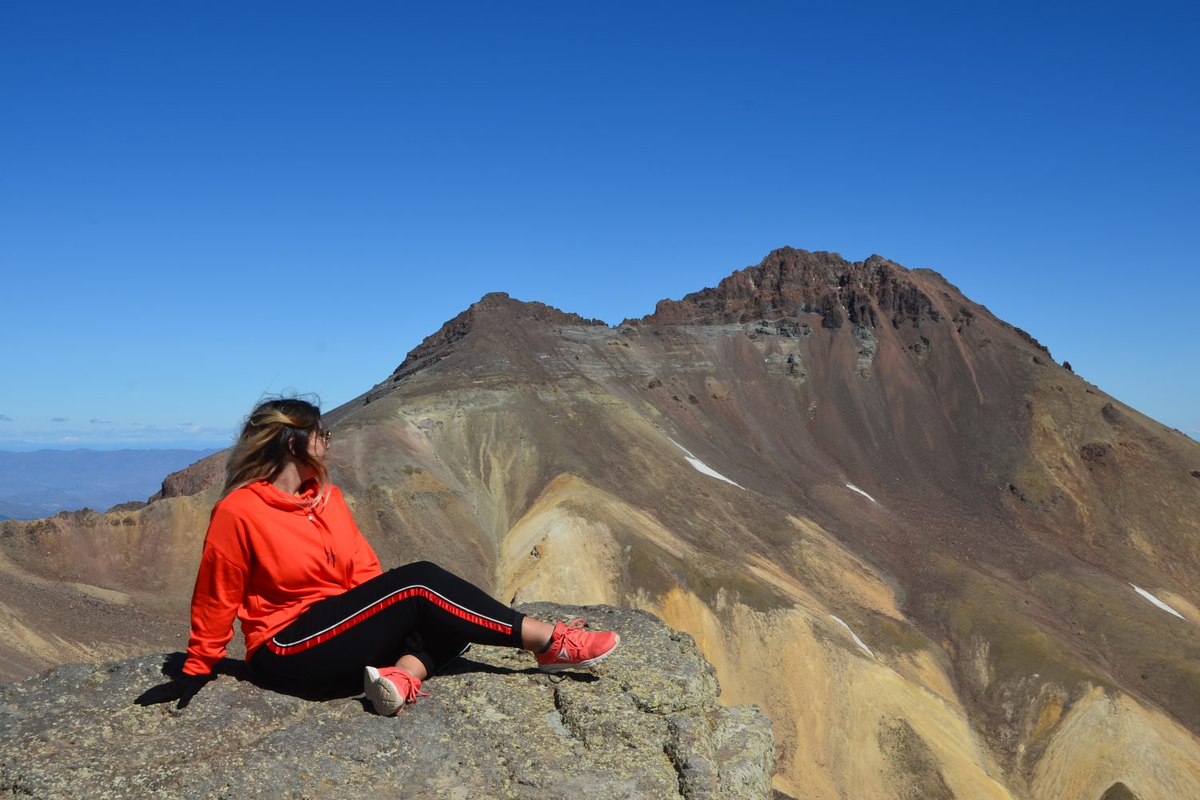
x: 419, y: 609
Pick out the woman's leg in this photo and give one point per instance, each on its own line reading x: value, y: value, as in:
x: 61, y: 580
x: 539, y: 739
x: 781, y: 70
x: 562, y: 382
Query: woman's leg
x: 418, y: 617
x: 418, y: 610
x: 535, y: 637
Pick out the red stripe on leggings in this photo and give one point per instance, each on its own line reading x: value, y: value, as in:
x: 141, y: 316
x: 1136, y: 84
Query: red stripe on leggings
x: 370, y: 611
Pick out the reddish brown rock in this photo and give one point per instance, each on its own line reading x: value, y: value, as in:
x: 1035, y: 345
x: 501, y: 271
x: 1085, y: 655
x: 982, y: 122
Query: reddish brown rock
x: 789, y: 282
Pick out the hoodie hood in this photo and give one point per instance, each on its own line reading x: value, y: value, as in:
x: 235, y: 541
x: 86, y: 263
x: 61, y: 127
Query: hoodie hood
x: 301, y: 503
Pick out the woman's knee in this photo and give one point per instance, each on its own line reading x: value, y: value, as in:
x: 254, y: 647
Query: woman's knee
x: 426, y: 567
x: 418, y: 569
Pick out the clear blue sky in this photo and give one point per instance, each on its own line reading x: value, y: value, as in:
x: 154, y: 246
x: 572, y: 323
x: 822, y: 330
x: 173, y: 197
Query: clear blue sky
x: 203, y: 202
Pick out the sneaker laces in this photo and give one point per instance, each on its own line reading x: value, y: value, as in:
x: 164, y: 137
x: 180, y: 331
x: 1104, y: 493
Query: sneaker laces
x: 407, y: 684
x: 572, y: 638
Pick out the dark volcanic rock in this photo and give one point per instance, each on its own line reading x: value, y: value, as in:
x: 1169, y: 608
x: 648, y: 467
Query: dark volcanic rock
x: 789, y: 282
x: 132, y: 505
x: 646, y: 724
x: 1118, y: 791
x: 1029, y: 338
x: 1097, y: 453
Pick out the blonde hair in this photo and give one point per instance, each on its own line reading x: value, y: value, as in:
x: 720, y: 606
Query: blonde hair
x: 276, y: 430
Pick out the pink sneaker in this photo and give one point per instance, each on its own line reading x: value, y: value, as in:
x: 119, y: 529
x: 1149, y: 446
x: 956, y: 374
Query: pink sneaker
x: 573, y: 647
x: 391, y: 688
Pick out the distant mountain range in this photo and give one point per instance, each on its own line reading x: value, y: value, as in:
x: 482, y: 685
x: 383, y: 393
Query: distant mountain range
x: 45, y: 482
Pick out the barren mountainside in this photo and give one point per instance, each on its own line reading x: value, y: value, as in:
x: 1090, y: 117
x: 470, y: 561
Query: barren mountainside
x: 944, y: 565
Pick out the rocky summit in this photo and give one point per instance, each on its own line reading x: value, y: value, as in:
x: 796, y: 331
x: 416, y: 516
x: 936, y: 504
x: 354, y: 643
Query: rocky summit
x: 941, y: 563
x: 645, y: 724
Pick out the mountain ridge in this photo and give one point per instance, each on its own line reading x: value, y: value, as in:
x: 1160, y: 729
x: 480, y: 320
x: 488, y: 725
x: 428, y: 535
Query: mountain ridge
x: 869, y: 528
x: 801, y: 283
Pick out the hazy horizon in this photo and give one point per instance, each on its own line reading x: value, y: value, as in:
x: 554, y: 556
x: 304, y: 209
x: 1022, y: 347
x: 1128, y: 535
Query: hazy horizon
x: 27, y: 447
x: 39, y: 483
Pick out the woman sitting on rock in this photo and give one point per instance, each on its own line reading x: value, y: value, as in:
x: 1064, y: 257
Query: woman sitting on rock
x: 283, y: 555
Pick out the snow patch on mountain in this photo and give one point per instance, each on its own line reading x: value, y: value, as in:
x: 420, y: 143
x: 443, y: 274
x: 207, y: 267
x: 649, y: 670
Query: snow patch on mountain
x: 854, y: 488
x: 853, y: 635
x: 1157, y: 602
x: 702, y: 467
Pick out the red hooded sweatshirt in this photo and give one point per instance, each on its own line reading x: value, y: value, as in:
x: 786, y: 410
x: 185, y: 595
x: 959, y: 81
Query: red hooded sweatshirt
x: 266, y: 560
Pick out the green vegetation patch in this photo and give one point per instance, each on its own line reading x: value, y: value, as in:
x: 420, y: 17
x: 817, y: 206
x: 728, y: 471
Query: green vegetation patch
x: 1119, y: 791
x: 1147, y: 649
x: 889, y: 634
x: 1003, y: 657
x: 915, y: 768
x: 655, y: 571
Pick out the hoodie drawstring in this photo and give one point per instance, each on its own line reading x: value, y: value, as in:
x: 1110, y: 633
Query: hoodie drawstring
x: 330, y: 555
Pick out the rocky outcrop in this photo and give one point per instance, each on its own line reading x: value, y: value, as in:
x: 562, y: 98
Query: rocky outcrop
x: 645, y: 724
x: 1029, y: 338
x: 205, y: 473
x: 790, y: 282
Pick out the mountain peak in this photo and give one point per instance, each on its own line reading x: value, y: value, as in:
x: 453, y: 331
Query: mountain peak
x: 789, y: 282
x: 493, y: 310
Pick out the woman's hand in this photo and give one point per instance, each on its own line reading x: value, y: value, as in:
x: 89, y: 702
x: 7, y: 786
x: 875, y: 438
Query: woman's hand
x: 183, y: 689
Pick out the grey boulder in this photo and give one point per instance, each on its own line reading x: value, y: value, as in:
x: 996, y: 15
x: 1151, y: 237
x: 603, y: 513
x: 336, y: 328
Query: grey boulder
x: 644, y: 724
